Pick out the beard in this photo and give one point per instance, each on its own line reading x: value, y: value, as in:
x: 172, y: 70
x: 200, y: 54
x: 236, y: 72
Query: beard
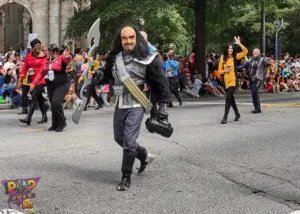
x: 129, y: 47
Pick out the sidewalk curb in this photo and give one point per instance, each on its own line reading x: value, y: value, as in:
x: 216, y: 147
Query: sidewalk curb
x: 5, y: 106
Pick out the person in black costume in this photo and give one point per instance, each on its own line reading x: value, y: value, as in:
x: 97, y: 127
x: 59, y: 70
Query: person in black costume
x: 131, y: 53
x: 58, y: 84
x: 256, y: 72
x: 91, y: 90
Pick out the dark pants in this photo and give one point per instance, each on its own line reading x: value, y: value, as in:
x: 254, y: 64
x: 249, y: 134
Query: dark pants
x: 181, y: 80
x: 230, y: 101
x: 127, y: 126
x: 24, y: 99
x: 37, y: 99
x: 255, y: 87
x: 173, y: 85
x: 91, y: 92
x: 16, y: 100
x: 56, y: 94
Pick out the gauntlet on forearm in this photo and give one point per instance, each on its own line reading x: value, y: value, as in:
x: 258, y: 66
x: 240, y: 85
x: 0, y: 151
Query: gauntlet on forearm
x: 163, y: 111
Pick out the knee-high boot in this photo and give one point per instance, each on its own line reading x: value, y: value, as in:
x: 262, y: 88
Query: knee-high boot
x: 44, y: 114
x: 98, y: 101
x: 127, y: 165
x: 144, y: 157
x: 28, y: 118
x: 236, y: 110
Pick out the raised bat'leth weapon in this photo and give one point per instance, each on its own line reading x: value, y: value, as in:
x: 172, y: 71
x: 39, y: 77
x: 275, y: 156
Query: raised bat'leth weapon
x: 93, y: 42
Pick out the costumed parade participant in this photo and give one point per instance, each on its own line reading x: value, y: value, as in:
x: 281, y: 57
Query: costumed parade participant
x: 256, y: 71
x: 24, y: 98
x: 91, y: 90
x: 171, y: 72
x: 152, y: 96
x: 58, y: 84
x: 228, y: 66
x: 131, y: 65
x: 31, y: 69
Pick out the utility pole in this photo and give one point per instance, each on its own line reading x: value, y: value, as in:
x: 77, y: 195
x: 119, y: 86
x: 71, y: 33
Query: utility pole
x: 279, y: 25
x: 200, y: 36
x: 263, y: 28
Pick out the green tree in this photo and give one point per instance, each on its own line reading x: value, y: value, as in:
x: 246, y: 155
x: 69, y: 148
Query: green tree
x: 163, y: 22
x: 172, y: 22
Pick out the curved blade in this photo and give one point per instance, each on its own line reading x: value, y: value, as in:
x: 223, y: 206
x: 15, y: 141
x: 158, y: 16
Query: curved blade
x: 94, y: 34
x: 93, y: 42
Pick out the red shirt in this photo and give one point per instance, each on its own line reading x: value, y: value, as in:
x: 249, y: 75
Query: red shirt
x: 36, y: 63
x: 56, y: 65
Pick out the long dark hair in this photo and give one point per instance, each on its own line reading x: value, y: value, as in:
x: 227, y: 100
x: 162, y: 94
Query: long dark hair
x: 225, y: 52
x: 141, y: 50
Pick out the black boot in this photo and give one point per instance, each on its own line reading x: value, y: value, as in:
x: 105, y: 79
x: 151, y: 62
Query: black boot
x: 44, y: 119
x: 43, y: 109
x: 99, y: 102
x: 66, y: 106
x: 99, y: 106
x: 61, y: 127
x: 237, y: 117
x: 145, y: 158
x: 28, y: 118
x: 224, y: 121
x: 52, y: 128
x: 54, y: 123
x: 24, y: 111
x: 127, y: 164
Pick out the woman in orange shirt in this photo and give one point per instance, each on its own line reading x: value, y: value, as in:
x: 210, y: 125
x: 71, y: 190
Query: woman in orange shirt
x: 228, y: 66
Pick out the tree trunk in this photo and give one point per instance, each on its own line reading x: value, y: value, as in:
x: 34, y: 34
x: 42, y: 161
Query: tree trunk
x: 200, y: 34
x: 263, y: 28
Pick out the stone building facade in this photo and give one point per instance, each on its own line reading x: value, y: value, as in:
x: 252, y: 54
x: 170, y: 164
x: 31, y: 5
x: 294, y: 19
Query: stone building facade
x: 47, y: 18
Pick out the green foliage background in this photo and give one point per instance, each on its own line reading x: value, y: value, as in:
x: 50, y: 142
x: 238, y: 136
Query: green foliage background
x: 171, y: 22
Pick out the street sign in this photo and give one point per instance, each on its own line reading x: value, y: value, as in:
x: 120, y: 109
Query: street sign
x: 31, y: 37
x: 277, y: 23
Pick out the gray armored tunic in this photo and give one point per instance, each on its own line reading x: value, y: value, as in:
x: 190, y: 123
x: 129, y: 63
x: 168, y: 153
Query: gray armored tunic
x: 256, y: 68
x: 136, y: 69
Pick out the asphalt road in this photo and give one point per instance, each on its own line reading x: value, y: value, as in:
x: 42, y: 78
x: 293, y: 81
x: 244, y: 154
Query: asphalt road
x: 245, y: 167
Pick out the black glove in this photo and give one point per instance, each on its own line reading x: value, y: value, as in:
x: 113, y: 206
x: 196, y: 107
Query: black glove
x: 162, y: 112
x: 99, y: 75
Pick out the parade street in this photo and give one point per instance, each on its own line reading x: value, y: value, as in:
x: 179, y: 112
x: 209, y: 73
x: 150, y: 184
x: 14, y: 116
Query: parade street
x: 246, y: 167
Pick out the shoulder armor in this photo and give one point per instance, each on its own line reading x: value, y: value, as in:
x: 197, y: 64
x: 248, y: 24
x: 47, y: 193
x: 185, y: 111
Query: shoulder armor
x: 147, y: 60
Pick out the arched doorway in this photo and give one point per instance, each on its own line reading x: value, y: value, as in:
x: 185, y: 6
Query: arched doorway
x: 15, y: 26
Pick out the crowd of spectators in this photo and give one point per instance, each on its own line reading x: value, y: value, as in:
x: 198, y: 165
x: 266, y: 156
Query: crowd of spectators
x: 285, y: 79
x: 11, y: 65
